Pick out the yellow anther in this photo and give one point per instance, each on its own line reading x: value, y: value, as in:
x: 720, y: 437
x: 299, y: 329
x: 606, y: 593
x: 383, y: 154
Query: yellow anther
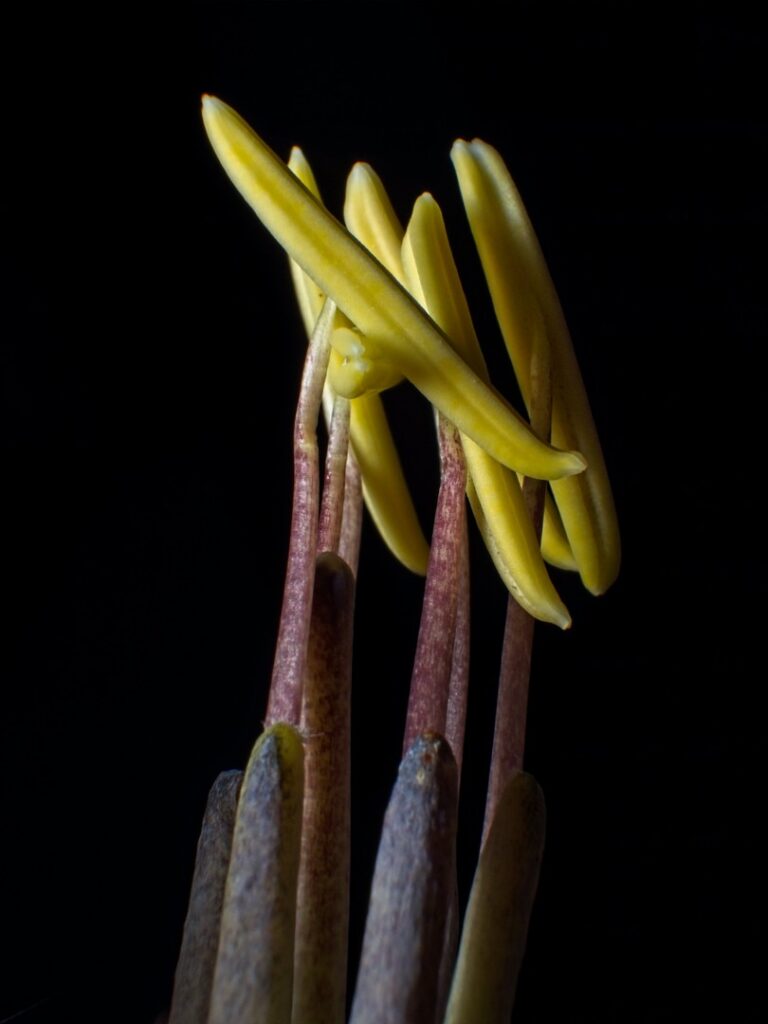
x: 494, y: 491
x: 385, y: 490
x: 517, y: 274
x: 370, y: 216
x: 554, y: 543
x: 344, y: 270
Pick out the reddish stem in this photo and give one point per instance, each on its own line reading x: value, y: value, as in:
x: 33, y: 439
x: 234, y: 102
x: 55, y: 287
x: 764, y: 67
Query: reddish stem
x: 291, y: 651
x: 430, y: 681
x: 320, y: 952
x: 352, y: 516
x: 332, y: 506
x: 511, y: 706
x: 456, y: 714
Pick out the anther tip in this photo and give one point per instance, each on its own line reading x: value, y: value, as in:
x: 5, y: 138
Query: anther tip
x: 578, y: 462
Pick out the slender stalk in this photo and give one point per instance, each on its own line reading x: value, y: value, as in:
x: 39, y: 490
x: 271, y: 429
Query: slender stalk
x: 290, y: 655
x: 511, y: 705
x: 322, y: 906
x: 456, y: 714
x: 515, y: 670
x: 431, y: 678
x: 334, y: 481
x: 352, y: 516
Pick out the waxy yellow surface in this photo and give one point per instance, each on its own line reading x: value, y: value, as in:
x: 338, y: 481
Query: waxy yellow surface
x: 385, y: 490
x: 370, y: 216
x: 494, y: 492
x: 383, y: 311
x: 517, y: 272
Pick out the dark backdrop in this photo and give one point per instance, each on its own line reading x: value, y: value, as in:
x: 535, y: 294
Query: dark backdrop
x: 150, y: 361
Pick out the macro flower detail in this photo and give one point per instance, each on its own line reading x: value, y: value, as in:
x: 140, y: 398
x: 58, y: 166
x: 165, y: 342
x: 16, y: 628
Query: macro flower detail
x: 265, y: 939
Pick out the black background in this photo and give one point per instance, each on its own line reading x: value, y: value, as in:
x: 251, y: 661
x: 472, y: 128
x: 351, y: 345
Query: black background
x: 150, y: 362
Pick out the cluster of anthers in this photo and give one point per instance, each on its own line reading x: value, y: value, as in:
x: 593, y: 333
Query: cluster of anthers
x: 265, y: 938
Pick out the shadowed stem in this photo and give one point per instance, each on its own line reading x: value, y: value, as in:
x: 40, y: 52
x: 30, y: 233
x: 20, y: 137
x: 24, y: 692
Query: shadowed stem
x: 458, y: 688
x: 514, y: 679
x: 290, y: 654
x: 334, y: 481
x: 431, y: 678
x: 456, y: 716
x: 352, y: 516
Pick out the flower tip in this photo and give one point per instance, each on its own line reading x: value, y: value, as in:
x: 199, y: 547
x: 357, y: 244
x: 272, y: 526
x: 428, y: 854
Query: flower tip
x: 212, y: 109
x: 360, y: 171
x: 599, y: 581
x: 554, y: 612
x: 574, y: 463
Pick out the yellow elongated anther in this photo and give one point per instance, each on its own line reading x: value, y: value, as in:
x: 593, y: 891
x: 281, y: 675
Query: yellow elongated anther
x: 370, y: 216
x: 495, y: 494
x: 386, y: 494
x: 516, y: 270
x: 385, y: 490
x: 554, y: 543
x: 382, y: 310
x: 309, y: 297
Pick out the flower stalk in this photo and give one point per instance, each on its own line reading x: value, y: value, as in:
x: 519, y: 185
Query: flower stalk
x: 334, y: 483
x: 290, y: 655
x: 431, y: 679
